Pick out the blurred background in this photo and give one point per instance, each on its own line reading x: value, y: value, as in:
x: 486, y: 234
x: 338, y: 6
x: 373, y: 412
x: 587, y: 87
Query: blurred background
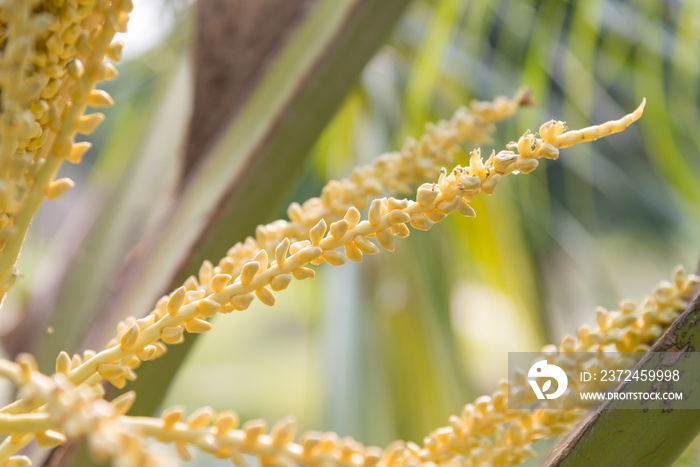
x: 390, y: 348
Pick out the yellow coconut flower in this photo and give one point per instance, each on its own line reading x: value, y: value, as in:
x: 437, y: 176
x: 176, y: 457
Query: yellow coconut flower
x: 187, y: 309
x: 485, y: 432
x: 52, y: 57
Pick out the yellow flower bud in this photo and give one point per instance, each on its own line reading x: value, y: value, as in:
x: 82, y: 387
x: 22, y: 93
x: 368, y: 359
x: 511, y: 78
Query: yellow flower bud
x: 295, y: 213
x: 375, y: 212
x: 282, y: 432
x: 122, y: 20
x: 226, y: 421
x: 226, y: 308
x: 226, y: 265
x: 550, y: 130
x: 128, y: 340
x: 449, y: 186
x: 449, y: 205
x: 71, y: 34
x: 280, y: 282
x: 339, y: 228
x: 309, y: 253
x: 386, y: 239
x: 124, y: 402
x: 353, y: 253
x: 265, y: 296
x: 426, y: 194
x: 623, y: 321
x: 303, y: 273
x: 317, y: 232
x: 489, y: 185
x: 393, y: 203
x: 111, y: 372
x: 248, y: 272
x: 54, y: 119
x: 63, y: 364
x: 194, y: 295
x: 191, y: 284
x: 400, y: 230
x: 172, y: 334
x: 114, y: 52
x: 334, y: 258
x: 366, y: 246
x: 526, y: 144
x: 421, y: 222
x: 206, y: 272
x: 295, y: 247
x: 547, y: 150
x: 51, y: 89
x: 196, y: 325
x: 109, y: 72
x: 50, y: 439
x: 172, y: 416
x: 18, y: 461
x: 58, y: 187
x: 504, y: 162
x: 352, y: 216
x: 77, y: 152
x: 525, y: 165
x: 147, y: 353
x: 281, y: 252
x: 62, y: 147
x: 76, y: 361
x: 99, y: 98
x: 435, y: 216
x: 88, y: 123
x: 176, y: 300
x: 200, y: 418
x: 465, y: 209
x: 219, y: 282
x: 397, y: 217
x: 241, y: 302
x: 207, y: 308
x: 75, y: 69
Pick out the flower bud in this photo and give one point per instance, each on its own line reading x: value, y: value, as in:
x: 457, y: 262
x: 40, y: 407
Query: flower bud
x: 551, y: 129
x: 525, y: 165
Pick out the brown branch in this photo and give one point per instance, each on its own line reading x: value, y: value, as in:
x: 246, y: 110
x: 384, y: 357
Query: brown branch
x: 236, y: 42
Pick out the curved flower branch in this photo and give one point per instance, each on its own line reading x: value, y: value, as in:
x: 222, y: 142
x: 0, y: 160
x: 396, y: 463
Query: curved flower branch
x: 485, y: 432
x: 189, y: 307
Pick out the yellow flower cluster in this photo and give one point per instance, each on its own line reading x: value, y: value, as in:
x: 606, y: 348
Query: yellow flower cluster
x: 189, y: 307
x: 394, y: 172
x: 51, y: 58
x: 630, y: 329
x: 69, y: 412
x: 52, y: 55
x: 486, y: 432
